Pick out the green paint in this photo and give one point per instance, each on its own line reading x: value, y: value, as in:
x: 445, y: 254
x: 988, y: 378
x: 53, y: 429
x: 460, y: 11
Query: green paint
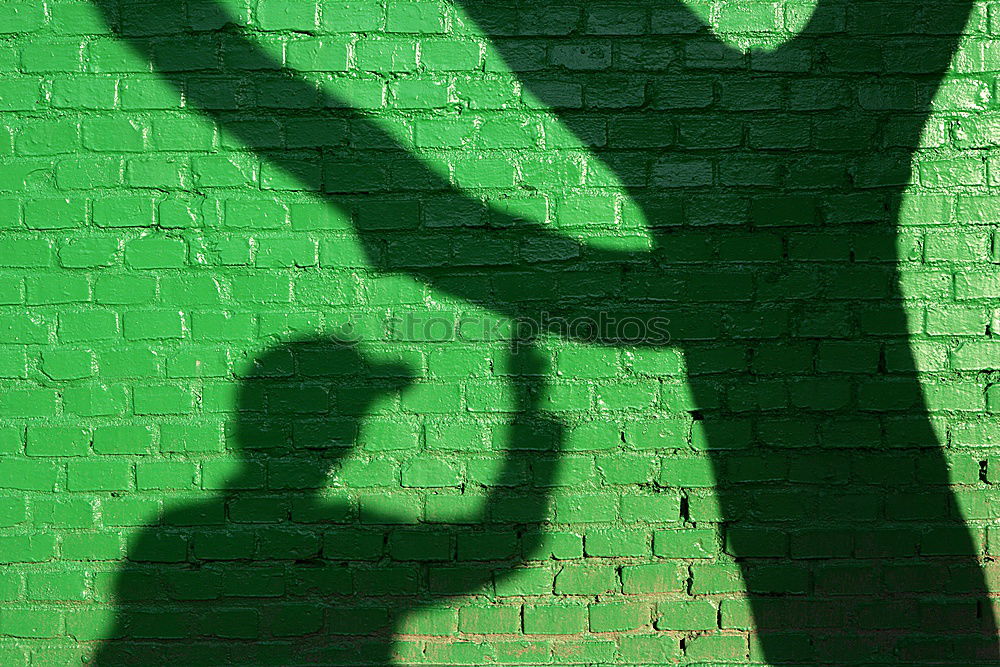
x: 198, y: 466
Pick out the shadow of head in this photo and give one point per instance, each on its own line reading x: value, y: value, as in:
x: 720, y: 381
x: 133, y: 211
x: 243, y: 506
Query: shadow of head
x: 300, y: 408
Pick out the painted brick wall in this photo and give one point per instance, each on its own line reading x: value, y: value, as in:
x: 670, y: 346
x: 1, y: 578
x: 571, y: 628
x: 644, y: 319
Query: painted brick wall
x: 406, y: 332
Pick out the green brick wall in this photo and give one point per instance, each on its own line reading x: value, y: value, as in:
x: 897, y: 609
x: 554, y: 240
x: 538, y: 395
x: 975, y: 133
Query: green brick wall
x: 402, y: 332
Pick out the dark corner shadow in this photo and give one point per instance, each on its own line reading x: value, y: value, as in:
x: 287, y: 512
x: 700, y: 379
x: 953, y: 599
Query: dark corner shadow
x: 285, y: 566
x: 771, y: 183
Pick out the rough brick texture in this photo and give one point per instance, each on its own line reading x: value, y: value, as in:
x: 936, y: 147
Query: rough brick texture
x: 403, y: 332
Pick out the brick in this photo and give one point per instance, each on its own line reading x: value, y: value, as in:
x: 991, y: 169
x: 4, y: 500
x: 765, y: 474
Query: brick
x: 163, y: 399
x: 725, y: 647
x: 84, y: 92
x: 29, y: 403
x: 57, y: 441
x: 287, y: 16
x: 619, y: 617
x: 30, y: 623
x: 57, y: 586
x: 430, y: 474
x: 99, y: 475
x: 20, y: 94
x: 55, y: 213
x: 130, y: 211
x: 489, y: 619
x: 554, y: 619
x: 617, y: 543
x: 28, y: 475
x: 154, y: 324
x: 156, y: 253
x: 190, y: 437
x: 652, y: 578
x: 663, y: 508
x: 651, y: 648
x: 691, y: 543
x: 687, y: 615
x: 416, y: 17
x: 586, y: 580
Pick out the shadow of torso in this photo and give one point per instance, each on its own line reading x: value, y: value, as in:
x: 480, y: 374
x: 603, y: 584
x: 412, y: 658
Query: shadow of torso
x: 306, y: 590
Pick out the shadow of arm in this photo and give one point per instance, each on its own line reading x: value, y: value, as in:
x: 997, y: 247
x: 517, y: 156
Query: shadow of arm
x: 884, y: 36
x: 271, y: 96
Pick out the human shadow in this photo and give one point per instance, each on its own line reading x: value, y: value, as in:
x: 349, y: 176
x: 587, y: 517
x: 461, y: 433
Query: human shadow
x: 284, y: 565
x: 771, y: 184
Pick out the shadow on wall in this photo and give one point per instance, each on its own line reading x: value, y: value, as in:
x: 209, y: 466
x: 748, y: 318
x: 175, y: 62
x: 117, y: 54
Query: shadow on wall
x: 276, y: 569
x: 771, y: 184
